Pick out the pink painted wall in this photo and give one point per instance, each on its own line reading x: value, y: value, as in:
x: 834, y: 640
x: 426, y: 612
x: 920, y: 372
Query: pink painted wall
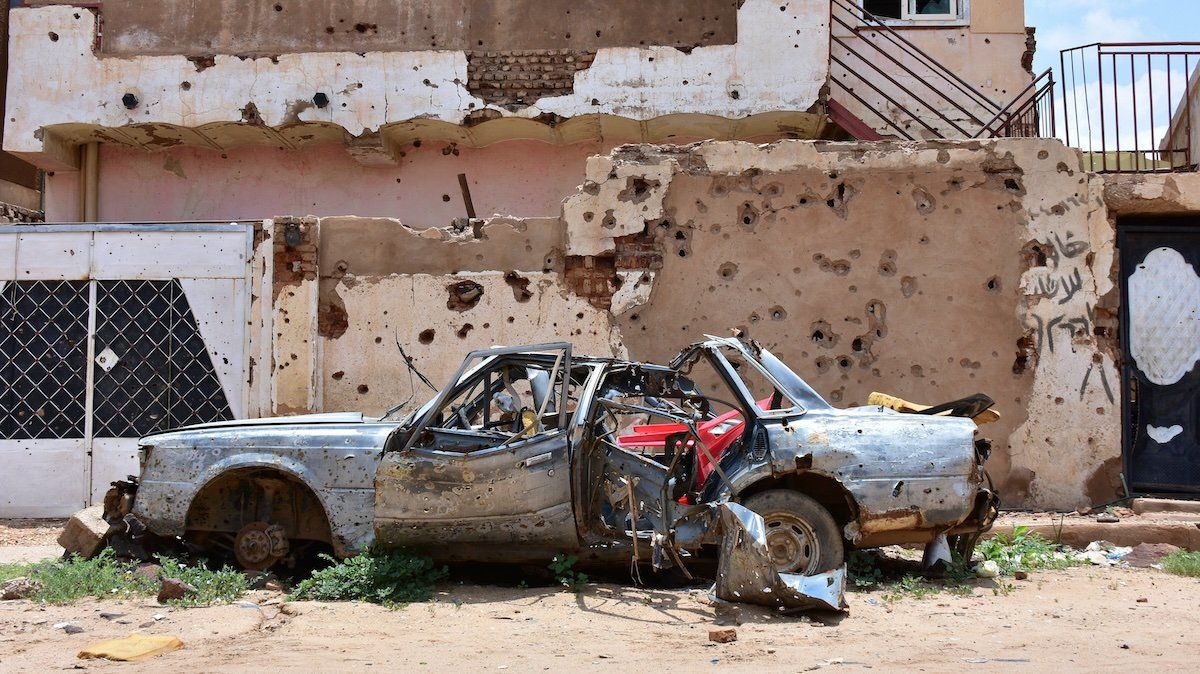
x: 519, y: 178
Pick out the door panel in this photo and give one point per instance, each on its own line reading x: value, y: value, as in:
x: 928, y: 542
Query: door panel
x: 514, y: 495
x: 1161, y: 336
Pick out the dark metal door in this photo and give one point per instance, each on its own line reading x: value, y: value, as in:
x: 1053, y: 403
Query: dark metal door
x: 152, y: 369
x: 1160, y: 282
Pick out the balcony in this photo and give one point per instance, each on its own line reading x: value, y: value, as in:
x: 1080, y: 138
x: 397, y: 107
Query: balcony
x: 1132, y: 107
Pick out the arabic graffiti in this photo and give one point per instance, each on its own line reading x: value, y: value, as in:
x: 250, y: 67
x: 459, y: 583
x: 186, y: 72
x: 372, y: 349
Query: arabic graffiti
x: 1054, y: 281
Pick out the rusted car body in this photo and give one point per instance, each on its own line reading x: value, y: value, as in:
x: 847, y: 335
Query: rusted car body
x: 529, y: 452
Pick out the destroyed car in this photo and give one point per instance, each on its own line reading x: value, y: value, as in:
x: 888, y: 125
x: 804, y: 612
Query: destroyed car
x: 531, y: 451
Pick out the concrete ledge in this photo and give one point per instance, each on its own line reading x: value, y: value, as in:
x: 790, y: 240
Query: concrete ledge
x: 1078, y: 532
x: 1142, y: 506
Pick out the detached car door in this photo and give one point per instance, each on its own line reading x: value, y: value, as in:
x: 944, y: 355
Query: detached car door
x: 488, y: 462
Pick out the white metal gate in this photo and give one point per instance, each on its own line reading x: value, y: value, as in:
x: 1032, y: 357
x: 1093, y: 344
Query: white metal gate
x: 108, y: 333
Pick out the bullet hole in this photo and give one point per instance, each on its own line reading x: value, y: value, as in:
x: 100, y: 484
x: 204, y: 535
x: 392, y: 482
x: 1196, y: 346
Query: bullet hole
x: 320, y: 99
x: 337, y: 376
x: 680, y: 236
x: 329, y: 30
x: 844, y: 363
x: 426, y: 336
x: 857, y: 344
x: 837, y: 394
x: 278, y: 8
x: 609, y: 221
x: 917, y: 371
x: 754, y: 317
x: 378, y: 340
x: 129, y: 101
x: 924, y: 201
x: 53, y: 36
x: 1012, y: 185
x: 519, y: 285
x: 1026, y: 354
x: 735, y: 94
x: 908, y: 286
x: 840, y: 267
x: 968, y: 364
x: 1033, y: 254
x: 185, y: 85
x: 887, y: 263
x: 463, y: 295
x: 923, y: 240
x: 855, y: 254
x: 366, y: 27
x: 748, y: 215
x: 778, y: 313
x: 1043, y: 155
x: 727, y: 271
x: 446, y: 198
x: 464, y: 330
x: 637, y: 189
x: 993, y: 284
x: 823, y: 364
x: 510, y: 319
x: 823, y: 335
x: 363, y: 389
x: 589, y: 216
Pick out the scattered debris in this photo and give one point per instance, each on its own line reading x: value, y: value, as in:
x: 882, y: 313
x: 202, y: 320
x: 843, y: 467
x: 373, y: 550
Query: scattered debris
x: 69, y: 628
x: 724, y: 635
x: 136, y: 646
x: 1103, y: 553
x: 19, y: 588
x: 987, y: 569
x: 1146, y: 555
x: 174, y: 589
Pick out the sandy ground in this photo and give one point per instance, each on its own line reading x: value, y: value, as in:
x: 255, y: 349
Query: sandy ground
x: 1104, y: 619
x: 29, y: 540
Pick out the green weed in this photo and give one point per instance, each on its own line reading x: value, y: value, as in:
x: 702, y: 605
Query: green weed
x: 1182, y: 563
x: 390, y: 578
x: 1024, y: 550
x: 862, y: 570
x: 66, y: 580
x: 563, y: 568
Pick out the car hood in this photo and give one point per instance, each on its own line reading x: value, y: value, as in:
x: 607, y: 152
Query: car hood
x: 294, y: 420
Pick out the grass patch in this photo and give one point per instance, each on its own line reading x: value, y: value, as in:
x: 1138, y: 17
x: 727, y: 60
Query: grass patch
x: 563, y: 568
x: 1182, y: 563
x: 103, y: 577
x: 391, y: 578
x: 1025, y: 550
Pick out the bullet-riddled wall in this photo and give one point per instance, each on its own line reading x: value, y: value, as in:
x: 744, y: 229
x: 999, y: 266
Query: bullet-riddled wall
x: 931, y: 271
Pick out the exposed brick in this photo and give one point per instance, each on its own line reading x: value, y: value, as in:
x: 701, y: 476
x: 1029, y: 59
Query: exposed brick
x: 515, y: 79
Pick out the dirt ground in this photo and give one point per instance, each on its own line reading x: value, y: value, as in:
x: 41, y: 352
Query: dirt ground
x: 1103, y: 619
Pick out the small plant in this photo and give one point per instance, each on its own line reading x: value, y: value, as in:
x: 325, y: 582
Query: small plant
x: 1182, y: 563
x: 563, y: 568
x: 908, y: 586
x: 67, y: 580
x: 390, y: 578
x: 212, y: 587
x: 862, y: 569
x: 1024, y: 550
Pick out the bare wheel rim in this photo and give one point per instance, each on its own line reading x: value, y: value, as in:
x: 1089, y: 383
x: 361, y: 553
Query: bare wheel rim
x: 792, y: 544
x: 253, y: 547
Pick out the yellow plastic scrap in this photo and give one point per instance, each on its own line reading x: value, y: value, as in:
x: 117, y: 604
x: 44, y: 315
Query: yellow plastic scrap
x: 136, y: 646
x: 902, y: 405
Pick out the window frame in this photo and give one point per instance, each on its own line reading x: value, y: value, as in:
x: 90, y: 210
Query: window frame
x: 961, y: 16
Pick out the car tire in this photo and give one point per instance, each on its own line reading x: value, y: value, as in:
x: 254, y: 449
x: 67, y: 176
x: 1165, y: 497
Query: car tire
x: 802, y: 536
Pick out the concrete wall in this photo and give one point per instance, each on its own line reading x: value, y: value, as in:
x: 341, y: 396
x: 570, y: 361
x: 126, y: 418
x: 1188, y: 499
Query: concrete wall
x: 62, y: 92
x: 931, y: 271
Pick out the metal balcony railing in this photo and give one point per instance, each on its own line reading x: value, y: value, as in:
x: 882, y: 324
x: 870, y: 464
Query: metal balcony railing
x: 883, y: 82
x: 1132, y: 106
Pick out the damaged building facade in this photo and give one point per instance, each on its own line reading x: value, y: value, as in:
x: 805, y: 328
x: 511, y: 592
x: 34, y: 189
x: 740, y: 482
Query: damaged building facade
x: 875, y: 197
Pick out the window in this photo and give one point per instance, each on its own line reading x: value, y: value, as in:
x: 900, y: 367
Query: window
x: 917, y: 10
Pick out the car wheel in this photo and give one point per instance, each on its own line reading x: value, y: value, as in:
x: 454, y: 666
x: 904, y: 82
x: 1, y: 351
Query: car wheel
x: 802, y: 537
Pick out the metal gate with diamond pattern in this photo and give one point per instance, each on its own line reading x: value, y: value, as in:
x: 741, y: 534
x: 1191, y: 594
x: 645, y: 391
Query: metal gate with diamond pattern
x: 95, y: 355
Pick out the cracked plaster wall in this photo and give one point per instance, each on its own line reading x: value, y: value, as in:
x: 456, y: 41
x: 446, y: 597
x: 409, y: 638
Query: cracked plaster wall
x: 929, y: 270
x: 61, y: 92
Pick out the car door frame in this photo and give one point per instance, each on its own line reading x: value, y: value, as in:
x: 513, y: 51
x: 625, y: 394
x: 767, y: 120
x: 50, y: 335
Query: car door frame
x: 415, y: 481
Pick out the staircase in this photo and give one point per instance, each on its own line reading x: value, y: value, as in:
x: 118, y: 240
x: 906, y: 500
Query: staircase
x: 884, y: 86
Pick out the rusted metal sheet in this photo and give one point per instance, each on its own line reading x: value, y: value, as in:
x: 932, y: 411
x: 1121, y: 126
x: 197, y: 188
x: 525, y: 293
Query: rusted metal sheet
x: 745, y: 572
